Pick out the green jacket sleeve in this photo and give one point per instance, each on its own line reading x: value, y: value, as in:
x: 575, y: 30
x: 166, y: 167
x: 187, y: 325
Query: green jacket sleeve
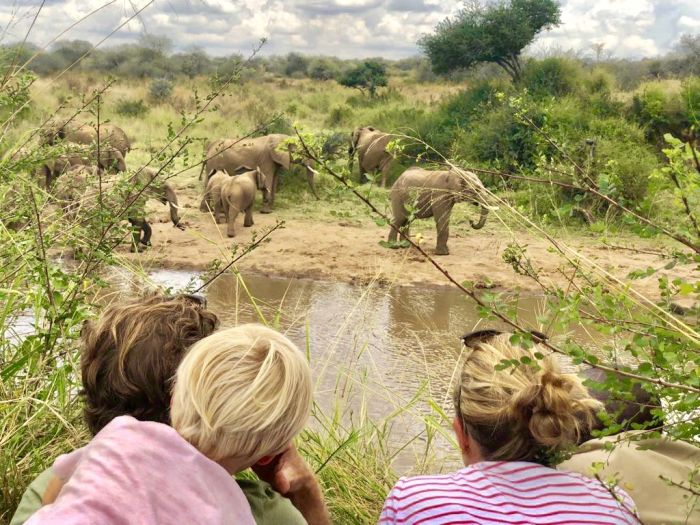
x: 31, y: 499
x: 268, y: 506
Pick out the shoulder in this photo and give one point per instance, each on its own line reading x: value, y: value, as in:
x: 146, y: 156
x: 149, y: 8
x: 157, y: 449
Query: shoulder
x: 424, y: 495
x: 268, y: 506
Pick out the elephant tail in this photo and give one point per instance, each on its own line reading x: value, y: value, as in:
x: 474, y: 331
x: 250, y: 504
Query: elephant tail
x: 482, y: 218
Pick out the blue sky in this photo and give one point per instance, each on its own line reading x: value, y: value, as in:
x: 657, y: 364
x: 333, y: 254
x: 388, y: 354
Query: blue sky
x: 345, y: 28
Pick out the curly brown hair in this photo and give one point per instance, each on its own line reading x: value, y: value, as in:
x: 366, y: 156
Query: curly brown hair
x: 131, y: 353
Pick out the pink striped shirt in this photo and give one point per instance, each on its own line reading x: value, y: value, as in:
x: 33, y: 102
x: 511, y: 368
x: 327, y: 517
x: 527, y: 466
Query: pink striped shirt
x: 497, y: 492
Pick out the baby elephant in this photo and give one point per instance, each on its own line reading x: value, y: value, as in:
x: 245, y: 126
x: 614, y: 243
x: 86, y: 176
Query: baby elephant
x: 212, y: 195
x: 433, y: 194
x: 237, y: 195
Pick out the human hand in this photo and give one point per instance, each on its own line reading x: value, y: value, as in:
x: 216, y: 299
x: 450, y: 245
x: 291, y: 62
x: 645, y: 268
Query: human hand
x: 288, y: 472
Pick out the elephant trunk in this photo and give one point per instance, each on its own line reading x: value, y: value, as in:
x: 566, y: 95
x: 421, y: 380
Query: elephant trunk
x: 351, y: 156
x: 171, y: 198
x: 482, y: 218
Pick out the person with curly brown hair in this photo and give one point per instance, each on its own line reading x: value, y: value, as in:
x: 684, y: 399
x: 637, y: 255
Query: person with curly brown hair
x: 129, y: 359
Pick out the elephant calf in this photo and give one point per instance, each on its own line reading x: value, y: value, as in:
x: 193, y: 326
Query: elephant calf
x: 238, y: 195
x: 212, y: 195
x: 433, y: 194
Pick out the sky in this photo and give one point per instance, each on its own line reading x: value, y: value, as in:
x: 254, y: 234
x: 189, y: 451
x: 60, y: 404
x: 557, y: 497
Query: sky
x: 344, y: 28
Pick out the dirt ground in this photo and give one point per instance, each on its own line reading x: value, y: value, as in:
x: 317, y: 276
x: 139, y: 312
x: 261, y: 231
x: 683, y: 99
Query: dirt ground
x: 348, y: 250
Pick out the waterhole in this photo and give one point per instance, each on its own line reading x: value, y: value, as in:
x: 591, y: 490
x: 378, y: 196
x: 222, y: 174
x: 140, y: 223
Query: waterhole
x: 373, y: 350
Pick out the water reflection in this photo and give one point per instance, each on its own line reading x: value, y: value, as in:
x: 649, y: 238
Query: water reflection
x: 381, y: 345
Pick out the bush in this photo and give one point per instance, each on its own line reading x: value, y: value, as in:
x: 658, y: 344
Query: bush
x: 690, y: 96
x: 658, y: 112
x: 339, y: 116
x: 552, y: 77
x: 499, y: 139
x: 131, y: 108
x: 160, y: 89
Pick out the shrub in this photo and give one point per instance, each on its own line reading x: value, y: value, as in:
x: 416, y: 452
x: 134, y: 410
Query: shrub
x: 160, y: 89
x: 339, y: 116
x: 499, y: 139
x: 552, y: 77
x: 658, y: 111
x: 131, y: 108
x: 690, y: 99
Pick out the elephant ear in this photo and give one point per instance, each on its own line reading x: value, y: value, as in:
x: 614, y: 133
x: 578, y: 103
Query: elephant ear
x: 280, y: 154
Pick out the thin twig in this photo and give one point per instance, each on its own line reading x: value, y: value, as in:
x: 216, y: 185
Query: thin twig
x: 248, y: 249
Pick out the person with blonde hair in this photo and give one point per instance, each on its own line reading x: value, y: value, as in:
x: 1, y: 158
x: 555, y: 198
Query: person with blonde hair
x: 240, y: 397
x: 512, y: 412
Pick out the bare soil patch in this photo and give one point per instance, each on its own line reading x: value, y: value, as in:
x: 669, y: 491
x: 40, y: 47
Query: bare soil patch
x: 348, y: 250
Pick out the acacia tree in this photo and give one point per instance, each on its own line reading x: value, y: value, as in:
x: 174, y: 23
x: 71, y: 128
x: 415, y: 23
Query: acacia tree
x: 489, y: 33
x: 369, y: 76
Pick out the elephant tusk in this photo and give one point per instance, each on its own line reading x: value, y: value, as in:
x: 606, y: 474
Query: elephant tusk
x: 312, y: 170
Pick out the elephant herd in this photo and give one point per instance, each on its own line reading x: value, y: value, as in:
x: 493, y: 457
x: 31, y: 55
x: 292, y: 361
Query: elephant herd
x: 233, y: 170
x: 417, y: 193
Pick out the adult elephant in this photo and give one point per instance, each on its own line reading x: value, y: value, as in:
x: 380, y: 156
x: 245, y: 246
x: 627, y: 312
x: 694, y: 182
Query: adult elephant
x: 81, y: 155
x: 433, y: 194
x: 265, y: 153
x: 370, y: 146
x: 112, y: 140
x: 77, y: 188
x: 147, y: 185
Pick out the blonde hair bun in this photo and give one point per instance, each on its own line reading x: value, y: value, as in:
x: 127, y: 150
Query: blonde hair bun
x: 512, y: 414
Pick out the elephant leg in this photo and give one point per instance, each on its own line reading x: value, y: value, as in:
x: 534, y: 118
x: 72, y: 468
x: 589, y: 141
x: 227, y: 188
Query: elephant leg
x: 442, y: 222
x: 248, y: 220
x: 137, y: 226
x: 231, y: 219
x: 147, y: 231
x: 218, y: 211
x: 266, y: 202
x: 204, y: 205
x: 363, y: 177
x: 385, y: 172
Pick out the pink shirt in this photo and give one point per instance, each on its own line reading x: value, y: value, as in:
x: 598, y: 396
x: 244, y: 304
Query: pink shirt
x: 137, y: 472
x: 505, y: 492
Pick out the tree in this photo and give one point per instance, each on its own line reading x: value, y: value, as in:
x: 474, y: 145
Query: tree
x: 193, y: 62
x: 296, y: 65
x: 369, y: 76
x: 323, y: 69
x: 489, y: 33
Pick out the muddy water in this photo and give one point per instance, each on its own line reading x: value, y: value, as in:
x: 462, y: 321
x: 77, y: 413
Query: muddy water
x: 371, y: 348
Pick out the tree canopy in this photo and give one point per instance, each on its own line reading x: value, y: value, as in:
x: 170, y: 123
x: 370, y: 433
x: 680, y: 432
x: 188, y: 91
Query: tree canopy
x: 489, y: 33
x: 369, y: 76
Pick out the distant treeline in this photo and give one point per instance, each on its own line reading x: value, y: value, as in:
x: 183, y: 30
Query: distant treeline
x: 153, y: 57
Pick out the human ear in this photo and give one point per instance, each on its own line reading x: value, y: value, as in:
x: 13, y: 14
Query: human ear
x: 461, y: 434
x: 265, y: 460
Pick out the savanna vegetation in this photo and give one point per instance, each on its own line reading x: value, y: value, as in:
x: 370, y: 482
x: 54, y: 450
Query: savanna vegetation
x: 593, y: 147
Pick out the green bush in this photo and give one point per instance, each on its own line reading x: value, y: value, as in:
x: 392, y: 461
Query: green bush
x: 160, y: 89
x: 499, y: 139
x: 552, y: 77
x: 690, y: 96
x: 339, y: 115
x: 658, y: 112
x: 131, y: 108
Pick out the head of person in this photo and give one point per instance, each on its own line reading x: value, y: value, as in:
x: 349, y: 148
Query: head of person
x: 524, y: 412
x: 241, y: 395
x: 131, y: 353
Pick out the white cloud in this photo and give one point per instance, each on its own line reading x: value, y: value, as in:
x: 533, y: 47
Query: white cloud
x: 346, y: 28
